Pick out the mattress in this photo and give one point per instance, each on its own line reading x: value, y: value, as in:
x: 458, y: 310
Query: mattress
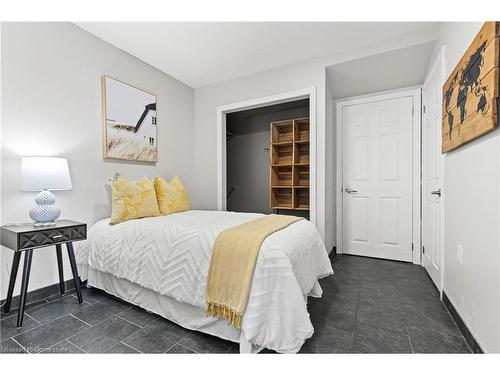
x: 170, y: 255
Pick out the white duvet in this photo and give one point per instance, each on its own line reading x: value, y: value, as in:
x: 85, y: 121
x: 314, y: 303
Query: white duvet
x: 171, y: 255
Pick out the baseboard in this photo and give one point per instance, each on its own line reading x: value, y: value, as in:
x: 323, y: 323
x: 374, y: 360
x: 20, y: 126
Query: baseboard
x: 469, y: 337
x: 47, y: 291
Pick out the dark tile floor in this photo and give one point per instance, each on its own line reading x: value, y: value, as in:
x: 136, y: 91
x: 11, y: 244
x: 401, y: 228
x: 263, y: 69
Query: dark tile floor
x: 368, y: 306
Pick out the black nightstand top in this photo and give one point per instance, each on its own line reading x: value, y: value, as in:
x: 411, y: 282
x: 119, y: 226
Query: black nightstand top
x: 26, y: 236
x: 29, y: 227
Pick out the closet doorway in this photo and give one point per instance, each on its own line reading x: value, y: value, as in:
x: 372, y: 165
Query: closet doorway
x: 267, y: 159
x: 229, y: 170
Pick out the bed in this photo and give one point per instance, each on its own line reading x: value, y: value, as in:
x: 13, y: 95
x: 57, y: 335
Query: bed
x: 161, y: 264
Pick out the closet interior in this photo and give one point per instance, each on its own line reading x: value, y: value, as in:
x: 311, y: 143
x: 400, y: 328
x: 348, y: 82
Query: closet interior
x: 267, y: 159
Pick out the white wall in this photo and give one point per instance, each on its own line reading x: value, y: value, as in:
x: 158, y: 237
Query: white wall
x: 287, y: 78
x: 330, y: 173
x: 51, y: 105
x: 472, y: 216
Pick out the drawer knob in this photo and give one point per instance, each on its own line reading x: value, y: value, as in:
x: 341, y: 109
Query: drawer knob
x: 56, y: 237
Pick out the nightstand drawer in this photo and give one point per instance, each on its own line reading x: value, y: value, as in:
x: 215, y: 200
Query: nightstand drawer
x: 51, y: 236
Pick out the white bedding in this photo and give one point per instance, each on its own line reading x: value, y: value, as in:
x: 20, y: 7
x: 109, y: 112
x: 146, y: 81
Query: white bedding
x: 171, y: 256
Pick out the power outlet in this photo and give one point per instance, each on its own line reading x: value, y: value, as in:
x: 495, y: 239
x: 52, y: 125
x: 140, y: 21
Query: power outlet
x: 460, y: 253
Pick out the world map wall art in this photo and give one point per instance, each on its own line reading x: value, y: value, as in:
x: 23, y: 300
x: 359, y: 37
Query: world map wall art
x: 470, y: 95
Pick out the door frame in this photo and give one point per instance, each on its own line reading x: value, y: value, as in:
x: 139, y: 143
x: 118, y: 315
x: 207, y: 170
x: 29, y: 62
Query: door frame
x: 223, y: 110
x: 439, y: 63
x: 414, y: 92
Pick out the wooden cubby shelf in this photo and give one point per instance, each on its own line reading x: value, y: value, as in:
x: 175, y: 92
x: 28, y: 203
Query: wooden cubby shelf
x: 301, y: 198
x: 282, y: 197
x: 282, y: 154
x: 282, y: 131
x: 282, y: 176
x: 289, y: 174
x: 301, y: 175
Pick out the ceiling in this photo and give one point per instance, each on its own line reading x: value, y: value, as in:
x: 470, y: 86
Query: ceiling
x: 391, y: 70
x: 200, y: 54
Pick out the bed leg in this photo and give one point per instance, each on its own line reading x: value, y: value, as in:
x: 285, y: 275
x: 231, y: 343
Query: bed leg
x: 245, y: 346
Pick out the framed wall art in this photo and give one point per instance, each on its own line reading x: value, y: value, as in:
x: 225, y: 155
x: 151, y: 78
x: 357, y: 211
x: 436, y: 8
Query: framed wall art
x: 129, y: 122
x: 470, y: 95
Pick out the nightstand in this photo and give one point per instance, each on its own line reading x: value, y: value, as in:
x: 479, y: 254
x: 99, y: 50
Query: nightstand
x: 24, y: 238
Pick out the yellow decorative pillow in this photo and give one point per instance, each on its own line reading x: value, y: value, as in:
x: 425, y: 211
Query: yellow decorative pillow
x: 133, y: 200
x: 172, y: 196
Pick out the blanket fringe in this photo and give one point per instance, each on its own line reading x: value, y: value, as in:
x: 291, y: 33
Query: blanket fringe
x: 221, y: 311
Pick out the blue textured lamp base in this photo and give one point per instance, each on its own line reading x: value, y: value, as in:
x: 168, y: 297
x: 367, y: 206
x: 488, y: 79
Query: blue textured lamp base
x: 46, y: 212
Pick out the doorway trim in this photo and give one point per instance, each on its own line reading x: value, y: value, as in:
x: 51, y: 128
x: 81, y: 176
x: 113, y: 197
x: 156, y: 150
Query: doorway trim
x: 416, y: 93
x: 439, y: 63
x: 223, y: 110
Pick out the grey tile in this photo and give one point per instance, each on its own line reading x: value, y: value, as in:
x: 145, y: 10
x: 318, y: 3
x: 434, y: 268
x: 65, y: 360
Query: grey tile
x: 382, y: 295
x: 378, y: 275
x: 121, y: 348
x: 406, y: 286
x: 139, y: 316
x: 433, y: 319
x: 101, y: 310
x: 37, y: 295
x: 57, y: 297
x: 8, y: 327
x: 157, y: 337
x: 104, y: 335
x: 353, y: 261
x: 30, y: 305
x: 429, y: 341
x: 377, y: 267
x: 378, y: 316
x: 89, y: 295
x: 417, y: 301
x: 203, y: 343
x: 179, y: 349
x: 375, y: 340
x: 47, y: 335
x: 64, y: 347
x: 411, y: 271
x: 328, y: 340
x: 387, y: 285
x: 92, y: 295
x: 56, y: 309
x: 11, y: 347
x: 338, y: 314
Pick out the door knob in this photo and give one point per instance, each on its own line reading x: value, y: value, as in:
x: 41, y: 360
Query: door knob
x: 350, y: 191
x: 436, y: 192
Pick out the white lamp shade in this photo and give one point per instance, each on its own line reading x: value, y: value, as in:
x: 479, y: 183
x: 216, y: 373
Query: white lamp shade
x: 44, y: 172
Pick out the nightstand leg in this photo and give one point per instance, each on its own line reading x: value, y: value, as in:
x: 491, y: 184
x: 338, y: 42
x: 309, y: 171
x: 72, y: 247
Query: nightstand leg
x: 28, y: 255
x: 72, y: 262
x: 12, y: 281
x: 60, y: 268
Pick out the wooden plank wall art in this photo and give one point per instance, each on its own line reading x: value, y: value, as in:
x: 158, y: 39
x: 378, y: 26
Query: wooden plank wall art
x: 470, y: 95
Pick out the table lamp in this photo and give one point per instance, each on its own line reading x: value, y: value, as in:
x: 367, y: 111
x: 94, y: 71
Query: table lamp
x: 44, y: 173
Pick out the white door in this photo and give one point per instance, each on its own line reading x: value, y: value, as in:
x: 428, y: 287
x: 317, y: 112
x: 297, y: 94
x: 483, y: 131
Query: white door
x: 432, y: 175
x: 377, y: 178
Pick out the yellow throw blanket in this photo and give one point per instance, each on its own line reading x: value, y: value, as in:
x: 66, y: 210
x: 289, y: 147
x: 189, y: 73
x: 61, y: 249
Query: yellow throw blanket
x: 233, y: 262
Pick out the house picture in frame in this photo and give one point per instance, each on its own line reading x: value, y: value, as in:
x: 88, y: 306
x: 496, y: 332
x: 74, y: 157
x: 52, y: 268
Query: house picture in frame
x: 129, y: 122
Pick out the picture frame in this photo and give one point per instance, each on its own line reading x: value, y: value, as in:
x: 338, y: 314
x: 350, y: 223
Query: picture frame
x: 129, y: 122
x: 471, y: 92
